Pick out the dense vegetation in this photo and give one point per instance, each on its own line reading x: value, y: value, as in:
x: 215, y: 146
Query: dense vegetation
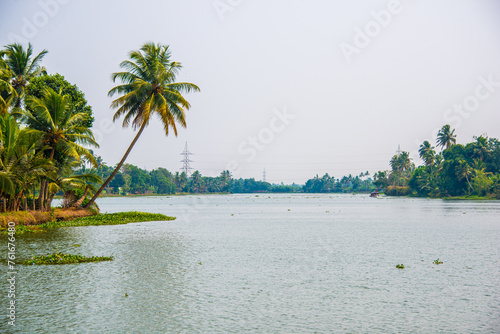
x: 102, y: 219
x: 45, y: 124
x: 44, y: 134
x: 472, y: 169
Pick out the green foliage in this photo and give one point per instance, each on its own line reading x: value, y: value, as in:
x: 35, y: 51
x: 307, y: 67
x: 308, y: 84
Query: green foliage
x: 23, y: 68
x: 459, y: 171
x: 400, y: 266
x: 148, y: 87
x: 437, y: 261
x: 62, y: 258
x: 349, y: 183
x: 77, y: 102
x: 110, y: 219
x: 398, y: 191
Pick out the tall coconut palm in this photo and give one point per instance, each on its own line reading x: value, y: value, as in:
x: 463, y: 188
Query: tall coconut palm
x: 446, y: 137
x: 60, y: 129
x: 148, y: 88
x: 23, y: 66
x: 427, y: 153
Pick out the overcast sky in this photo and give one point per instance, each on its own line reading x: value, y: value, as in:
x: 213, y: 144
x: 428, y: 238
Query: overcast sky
x: 296, y: 87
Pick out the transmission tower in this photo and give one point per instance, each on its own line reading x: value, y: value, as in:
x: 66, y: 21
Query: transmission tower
x: 186, y: 168
x: 264, y: 175
x: 398, y: 152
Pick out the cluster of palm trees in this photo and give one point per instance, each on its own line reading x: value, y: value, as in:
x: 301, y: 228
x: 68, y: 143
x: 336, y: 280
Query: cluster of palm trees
x: 43, y: 140
x: 458, y: 169
x: 470, y: 169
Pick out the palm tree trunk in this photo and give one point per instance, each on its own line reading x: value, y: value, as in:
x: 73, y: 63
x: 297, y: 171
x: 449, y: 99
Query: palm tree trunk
x: 468, y: 182
x: 117, y: 167
x: 80, y: 201
x: 40, y: 195
x: 34, y: 201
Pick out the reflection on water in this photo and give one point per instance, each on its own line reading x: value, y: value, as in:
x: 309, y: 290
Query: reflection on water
x: 271, y: 263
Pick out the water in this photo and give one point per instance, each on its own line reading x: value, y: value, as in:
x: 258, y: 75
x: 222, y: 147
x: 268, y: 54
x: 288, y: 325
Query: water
x: 270, y: 263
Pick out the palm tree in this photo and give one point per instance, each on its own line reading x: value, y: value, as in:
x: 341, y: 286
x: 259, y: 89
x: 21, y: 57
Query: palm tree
x: 23, y: 67
x: 225, y: 178
x: 481, y: 148
x: 148, y: 87
x: 21, y: 166
x: 464, y: 171
x: 7, y: 93
x: 401, y: 164
x: 427, y: 153
x: 446, y: 137
x: 60, y: 129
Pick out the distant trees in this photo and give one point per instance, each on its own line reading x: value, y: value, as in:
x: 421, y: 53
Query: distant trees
x: 328, y: 184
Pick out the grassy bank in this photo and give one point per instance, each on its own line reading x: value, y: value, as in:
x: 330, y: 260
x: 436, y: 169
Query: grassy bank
x: 40, y: 217
x: 94, y: 219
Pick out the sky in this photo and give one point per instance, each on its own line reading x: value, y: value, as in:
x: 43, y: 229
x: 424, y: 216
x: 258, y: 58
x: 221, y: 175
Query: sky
x: 297, y: 88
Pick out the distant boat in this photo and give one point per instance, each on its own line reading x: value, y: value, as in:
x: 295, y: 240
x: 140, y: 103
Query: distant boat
x: 375, y: 193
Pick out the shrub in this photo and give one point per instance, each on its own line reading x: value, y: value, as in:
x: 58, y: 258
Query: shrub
x: 398, y: 191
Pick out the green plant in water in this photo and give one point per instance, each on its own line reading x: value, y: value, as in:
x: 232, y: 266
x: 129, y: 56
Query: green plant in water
x: 400, y: 266
x: 61, y: 258
x: 437, y: 261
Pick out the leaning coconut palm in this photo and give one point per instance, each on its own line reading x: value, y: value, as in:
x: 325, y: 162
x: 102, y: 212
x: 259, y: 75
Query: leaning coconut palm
x: 23, y: 67
x: 60, y: 130
x: 148, y: 87
x: 446, y: 137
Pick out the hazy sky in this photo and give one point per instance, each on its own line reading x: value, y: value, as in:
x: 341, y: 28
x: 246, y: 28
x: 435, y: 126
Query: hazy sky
x: 296, y: 87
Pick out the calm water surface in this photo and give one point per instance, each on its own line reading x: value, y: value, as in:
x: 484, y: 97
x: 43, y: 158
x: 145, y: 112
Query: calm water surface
x: 268, y: 264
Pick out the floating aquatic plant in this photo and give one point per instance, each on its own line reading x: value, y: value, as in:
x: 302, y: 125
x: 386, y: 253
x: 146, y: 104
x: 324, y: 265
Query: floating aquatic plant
x: 61, y: 258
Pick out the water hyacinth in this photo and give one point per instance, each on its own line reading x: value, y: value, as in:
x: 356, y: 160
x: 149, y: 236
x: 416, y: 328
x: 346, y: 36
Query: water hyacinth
x: 62, y: 258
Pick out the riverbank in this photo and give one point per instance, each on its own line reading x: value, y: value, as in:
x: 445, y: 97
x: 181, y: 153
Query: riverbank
x: 42, y: 217
x: 32, y: 222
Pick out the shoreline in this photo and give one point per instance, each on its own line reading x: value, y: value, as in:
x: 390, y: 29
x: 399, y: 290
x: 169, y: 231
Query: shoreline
x: 86, y: 218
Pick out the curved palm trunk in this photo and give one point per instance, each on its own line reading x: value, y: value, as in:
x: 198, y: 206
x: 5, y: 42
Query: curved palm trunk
x: 80, y: 201
x: 92, y: 200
